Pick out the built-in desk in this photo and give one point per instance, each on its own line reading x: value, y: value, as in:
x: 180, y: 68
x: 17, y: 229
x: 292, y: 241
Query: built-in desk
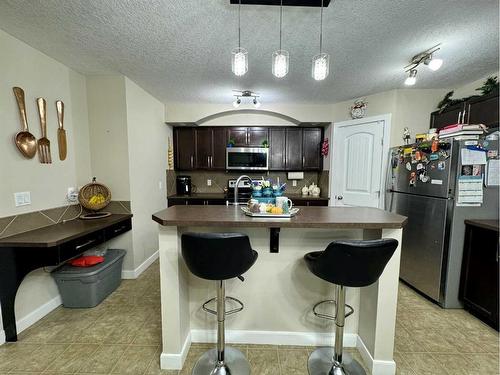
x: 48, y: 246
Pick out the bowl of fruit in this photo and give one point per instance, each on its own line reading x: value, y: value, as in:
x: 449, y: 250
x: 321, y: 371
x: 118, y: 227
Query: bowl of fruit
x: 94, y: 196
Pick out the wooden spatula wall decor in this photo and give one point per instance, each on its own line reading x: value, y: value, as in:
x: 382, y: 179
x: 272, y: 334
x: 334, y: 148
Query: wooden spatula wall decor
x: 43, y: 143
x: 61, y: 133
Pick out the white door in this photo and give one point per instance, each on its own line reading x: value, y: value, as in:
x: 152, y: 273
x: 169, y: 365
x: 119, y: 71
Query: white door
x: 358, y: 161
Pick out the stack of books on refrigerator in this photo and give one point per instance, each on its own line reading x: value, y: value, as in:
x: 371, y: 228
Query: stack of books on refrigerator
x: 462, y: 132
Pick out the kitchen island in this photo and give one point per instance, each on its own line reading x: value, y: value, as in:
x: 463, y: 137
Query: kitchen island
x: 278, y: 291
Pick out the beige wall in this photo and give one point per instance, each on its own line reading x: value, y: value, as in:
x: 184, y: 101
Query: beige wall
x: 108, y: 133
x: 147, y: 148
x: 39, y: 76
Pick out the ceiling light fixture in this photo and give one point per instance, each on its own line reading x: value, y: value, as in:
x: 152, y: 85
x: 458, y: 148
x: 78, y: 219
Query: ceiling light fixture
x: 412, y: 78
x: 246, y: 94
x: 321, y: 62
x: 433, y: 63
x: 280, y: 58
x: 427, y: 59
x: 239, y: 56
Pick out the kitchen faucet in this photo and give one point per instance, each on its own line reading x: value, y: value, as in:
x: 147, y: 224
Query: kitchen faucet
x: 236, y: 186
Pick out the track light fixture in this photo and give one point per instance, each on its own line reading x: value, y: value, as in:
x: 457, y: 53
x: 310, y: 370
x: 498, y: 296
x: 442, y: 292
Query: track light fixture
x: 412, y: 78
x: 427, y: 58
x: 246, y: 94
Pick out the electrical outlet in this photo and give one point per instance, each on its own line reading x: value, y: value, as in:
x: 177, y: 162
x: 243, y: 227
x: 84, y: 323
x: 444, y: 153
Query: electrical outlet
x: 72, y: 194
x: 209, y: 182
x: 294, y: 182
x: 22, y: 198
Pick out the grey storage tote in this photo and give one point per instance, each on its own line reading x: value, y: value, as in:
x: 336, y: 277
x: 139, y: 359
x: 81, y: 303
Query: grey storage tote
x: 88, y: 286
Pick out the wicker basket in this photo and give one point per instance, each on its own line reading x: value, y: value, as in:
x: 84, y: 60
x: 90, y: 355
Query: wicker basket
x: 94, y: 189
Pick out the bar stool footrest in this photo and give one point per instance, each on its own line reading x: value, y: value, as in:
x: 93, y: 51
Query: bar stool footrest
x: 349, y: 311
x: 228, y: 312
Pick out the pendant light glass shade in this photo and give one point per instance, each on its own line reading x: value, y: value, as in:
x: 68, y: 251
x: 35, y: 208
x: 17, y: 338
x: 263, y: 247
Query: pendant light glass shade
x: 281, y: 62
x: 239, y: 61
x: 320, y: 66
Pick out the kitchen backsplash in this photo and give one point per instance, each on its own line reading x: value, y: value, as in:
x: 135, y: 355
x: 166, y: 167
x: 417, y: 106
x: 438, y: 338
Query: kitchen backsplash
x: 12, y: 225
x: 219, y: 180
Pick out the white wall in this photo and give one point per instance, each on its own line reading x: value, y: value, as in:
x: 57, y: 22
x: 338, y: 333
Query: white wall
x: 147, y: 148
x: 39, y: 76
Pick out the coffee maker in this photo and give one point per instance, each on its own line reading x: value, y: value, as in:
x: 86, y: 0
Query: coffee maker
x: 183, y: 185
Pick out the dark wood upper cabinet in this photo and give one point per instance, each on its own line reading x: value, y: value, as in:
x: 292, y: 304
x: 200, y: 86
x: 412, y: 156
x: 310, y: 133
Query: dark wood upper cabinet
x: 483, y: 110
x: 219, y: 148
x: 184, y: 143
x: 293, y: 149
x: 449, y: 116
x: 248, y: 137
x: 257, y: 136
x: 311, y: 149
x: 238, y: 136
x: 203, y: 147
x: 290, y: 148
x: 277, y: 149
x: 210, y: 148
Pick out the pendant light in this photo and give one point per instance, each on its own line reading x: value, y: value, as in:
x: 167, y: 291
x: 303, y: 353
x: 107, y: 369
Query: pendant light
x: 280, y: 58
x: 321, y: 62
x: 239, y: 56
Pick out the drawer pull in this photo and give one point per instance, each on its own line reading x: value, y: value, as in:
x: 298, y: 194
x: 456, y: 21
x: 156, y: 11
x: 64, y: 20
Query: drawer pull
x: 120, y: 229
x: 84, y: 244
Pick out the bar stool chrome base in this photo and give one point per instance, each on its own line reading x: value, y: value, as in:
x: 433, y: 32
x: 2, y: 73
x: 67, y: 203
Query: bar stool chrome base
x: 234, y: 363
x: 321, y: 363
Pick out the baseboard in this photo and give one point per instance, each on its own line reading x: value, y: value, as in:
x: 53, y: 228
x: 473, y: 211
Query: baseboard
x: 273, y: 337
x: 175, y: 361
x: 378, y: 367
x: 134, y: 274
x: 34, y: 316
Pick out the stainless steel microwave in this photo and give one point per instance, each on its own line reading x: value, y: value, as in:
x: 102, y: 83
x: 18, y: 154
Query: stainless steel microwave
x: 247, y: 158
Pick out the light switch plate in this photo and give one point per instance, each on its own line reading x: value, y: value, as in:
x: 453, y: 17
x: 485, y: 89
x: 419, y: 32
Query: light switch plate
x: 22, y: 198
x: 209, y: 182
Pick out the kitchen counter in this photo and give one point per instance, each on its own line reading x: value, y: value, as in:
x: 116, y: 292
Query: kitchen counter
x: 486, y: 224
x: 57, y: 234
x: 307, y: 217
x: 223, y: 196
x: 279, y: 281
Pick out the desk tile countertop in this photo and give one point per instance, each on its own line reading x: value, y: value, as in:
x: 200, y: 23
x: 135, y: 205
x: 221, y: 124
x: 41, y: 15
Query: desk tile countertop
x: 308, y: 217
x: 54, y: 235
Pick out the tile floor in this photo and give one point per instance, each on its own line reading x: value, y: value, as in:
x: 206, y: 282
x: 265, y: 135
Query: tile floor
x: 122, y: 336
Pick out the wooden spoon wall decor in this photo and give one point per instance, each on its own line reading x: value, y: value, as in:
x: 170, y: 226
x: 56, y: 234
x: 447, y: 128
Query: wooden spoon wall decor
x: 25, y: 141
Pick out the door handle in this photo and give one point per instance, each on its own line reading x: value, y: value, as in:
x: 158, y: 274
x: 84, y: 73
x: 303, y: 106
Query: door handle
x: 84, y: 244
x: 340, y: 197
x: 459, y: 115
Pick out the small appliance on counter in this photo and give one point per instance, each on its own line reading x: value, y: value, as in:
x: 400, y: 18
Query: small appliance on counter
x: 183, y: 185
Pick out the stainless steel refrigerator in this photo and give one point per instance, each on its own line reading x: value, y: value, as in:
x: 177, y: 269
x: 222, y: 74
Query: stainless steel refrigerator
x: 432, y: 247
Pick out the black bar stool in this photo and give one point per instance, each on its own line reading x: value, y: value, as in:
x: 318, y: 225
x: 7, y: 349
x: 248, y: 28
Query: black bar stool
x: 219, y: 256
x: 349, y: 263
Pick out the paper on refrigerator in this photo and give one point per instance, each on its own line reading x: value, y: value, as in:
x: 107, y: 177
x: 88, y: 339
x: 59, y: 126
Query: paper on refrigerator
x: 470, y: 157
x: 470, y: 191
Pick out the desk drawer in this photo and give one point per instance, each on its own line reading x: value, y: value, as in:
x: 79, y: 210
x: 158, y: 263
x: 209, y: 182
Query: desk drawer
x: 76, y: 247
x: 117, y: 229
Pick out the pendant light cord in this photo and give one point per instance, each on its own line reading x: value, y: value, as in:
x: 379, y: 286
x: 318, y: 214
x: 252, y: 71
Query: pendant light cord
x: 239, y: 24
x: 281, y: 19
x: 321, y: 30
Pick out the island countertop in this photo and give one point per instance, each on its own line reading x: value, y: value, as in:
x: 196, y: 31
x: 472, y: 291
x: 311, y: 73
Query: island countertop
x: 307, y: 217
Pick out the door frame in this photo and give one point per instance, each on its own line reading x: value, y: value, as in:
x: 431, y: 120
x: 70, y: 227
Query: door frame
x: 386, y: 119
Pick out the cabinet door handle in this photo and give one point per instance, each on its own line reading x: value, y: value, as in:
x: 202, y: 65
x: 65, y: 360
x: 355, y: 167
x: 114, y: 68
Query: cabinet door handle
x: 303, y: 161
x: 211, y: 161
x: 84, y: 244
x: 459, y: 115
x: 208, y: 161
x: 463, y: 116
x: 119, y: 229
x: 192, y: 161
